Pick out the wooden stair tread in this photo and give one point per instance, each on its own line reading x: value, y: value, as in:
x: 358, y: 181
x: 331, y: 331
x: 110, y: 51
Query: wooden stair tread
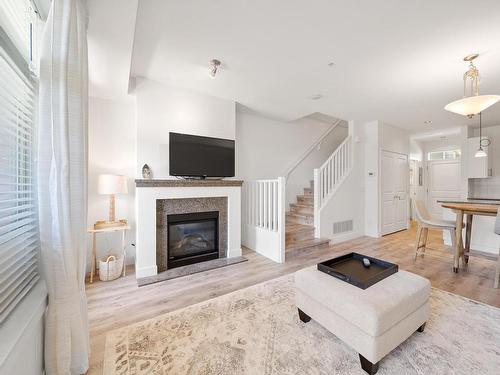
x: 302, y: 205
x: 305, y: 196
x: 296, y: 227
x: 296, y: 214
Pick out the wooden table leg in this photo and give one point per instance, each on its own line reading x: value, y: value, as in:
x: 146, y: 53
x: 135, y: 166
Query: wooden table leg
x: 468, y: 233
x: 93, y: 262
x: 458, y: 242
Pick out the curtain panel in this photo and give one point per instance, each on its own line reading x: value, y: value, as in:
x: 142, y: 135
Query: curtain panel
x: 62, y: 184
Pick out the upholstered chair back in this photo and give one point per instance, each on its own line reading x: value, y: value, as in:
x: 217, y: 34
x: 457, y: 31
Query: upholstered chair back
x: 420, y: 211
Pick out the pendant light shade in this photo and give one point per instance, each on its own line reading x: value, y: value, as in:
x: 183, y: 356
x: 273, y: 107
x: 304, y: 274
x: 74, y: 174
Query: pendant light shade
x: 473, y: 103
x: 483, y: 142
x: 480, y: 153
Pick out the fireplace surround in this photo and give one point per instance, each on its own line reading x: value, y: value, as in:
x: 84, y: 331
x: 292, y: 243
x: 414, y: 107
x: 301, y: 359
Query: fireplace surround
x: 155, y: 199
x: 182, y: 231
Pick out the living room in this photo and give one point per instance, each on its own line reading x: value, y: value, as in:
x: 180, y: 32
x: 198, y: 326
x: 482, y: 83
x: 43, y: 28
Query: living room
x: 249, y: 187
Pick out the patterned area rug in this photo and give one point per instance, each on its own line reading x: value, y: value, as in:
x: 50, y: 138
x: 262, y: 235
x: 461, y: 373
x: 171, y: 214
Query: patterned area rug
x: 256, y: 331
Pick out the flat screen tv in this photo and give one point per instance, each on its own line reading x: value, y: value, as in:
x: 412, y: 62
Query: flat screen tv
x: 200, y: 157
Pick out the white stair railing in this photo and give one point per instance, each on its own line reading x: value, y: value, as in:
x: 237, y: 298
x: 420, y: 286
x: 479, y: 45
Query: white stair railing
x: 330, y: 176
x: 265, y: 217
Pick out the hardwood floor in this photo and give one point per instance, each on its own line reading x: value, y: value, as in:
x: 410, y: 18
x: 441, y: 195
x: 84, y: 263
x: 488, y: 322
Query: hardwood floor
x: 121, y: 302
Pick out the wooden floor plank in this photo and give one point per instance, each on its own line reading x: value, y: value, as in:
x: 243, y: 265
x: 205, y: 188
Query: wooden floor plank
x: 121, y: 302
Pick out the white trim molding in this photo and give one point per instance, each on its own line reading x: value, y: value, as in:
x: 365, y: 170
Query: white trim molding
x: 21, y: 346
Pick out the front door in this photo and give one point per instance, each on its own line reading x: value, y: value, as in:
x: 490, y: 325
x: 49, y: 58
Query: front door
x: 443, y: 182
x: 394, y: 174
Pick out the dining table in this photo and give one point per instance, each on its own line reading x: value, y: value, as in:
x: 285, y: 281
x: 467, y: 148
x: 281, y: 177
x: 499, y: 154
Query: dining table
x: 468, y: 208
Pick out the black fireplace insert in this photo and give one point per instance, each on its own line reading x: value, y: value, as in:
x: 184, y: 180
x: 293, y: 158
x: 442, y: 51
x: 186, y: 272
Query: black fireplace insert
x: 192, y: 238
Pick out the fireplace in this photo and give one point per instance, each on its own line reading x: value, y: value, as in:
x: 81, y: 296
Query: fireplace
x: 192, y: 238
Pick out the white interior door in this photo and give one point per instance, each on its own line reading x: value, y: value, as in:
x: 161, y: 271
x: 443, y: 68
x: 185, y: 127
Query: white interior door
x: 443, y: 182
x: 394, y: 189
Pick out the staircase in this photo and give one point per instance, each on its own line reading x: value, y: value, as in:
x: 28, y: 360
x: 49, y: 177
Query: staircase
x: 299, y: 229
x: 278, y: 235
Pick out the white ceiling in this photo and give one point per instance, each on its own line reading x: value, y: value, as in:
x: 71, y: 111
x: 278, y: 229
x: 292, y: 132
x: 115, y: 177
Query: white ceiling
x: 395, y: 61
x: 110, y: 39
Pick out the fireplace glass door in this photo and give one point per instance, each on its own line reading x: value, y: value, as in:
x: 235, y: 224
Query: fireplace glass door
x: 192, y: 238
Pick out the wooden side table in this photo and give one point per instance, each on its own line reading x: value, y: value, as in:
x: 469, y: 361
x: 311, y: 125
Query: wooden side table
x: 94, y: 232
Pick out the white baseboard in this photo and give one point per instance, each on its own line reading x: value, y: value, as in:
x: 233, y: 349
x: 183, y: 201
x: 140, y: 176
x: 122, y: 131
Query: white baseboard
x: 145, y: 271
x: 231, y: 253
x: 338, y: 238
x: 477, y: 247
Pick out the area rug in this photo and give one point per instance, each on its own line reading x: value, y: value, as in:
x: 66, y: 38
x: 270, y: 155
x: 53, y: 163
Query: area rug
x: 256, y: 331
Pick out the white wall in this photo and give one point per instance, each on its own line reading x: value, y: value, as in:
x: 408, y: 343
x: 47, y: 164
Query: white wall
x: 416, y: 150
x: 370, y: 134
x: 348, y: 203
x: 304, y: 172
x: 378, y: 136
x: 162, y: 109
x: 112, y: 149
x: 267, y: 148
x: 394, y: 139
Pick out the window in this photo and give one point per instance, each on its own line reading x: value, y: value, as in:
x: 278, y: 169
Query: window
x: 19, y: 244
x: 444, y: 155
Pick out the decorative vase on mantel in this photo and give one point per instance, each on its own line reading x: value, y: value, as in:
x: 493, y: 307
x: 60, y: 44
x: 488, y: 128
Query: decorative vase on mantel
x: 146, y: 172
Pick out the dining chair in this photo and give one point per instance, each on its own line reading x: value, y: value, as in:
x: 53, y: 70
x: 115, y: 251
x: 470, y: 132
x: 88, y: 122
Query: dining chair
x: 426, y: 222
x: 497, y: 231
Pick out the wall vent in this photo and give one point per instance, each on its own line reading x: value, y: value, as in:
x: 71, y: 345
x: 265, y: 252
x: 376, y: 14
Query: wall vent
x: 342, y: 226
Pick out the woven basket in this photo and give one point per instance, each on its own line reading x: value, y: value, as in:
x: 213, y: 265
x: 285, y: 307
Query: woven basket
x: 111, y: 267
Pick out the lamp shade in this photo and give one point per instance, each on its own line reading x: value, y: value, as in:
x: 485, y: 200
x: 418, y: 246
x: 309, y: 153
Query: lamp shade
x: 112, y: 184
x: 472, y: 105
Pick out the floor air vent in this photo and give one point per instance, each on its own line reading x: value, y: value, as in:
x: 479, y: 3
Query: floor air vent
x: 342, y: 226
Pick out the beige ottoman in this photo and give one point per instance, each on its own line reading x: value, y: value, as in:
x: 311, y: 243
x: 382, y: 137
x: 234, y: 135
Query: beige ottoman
x: 373, y: 321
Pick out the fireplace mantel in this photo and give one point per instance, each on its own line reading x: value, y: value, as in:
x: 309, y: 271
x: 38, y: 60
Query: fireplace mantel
x: 187, y: 183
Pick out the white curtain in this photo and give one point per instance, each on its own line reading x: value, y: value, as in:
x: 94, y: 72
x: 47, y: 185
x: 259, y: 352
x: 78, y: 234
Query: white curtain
x: 62, y: 184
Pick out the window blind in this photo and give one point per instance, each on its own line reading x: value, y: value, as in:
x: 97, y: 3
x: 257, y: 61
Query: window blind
x: 14, y: 18
x: 19, y: 245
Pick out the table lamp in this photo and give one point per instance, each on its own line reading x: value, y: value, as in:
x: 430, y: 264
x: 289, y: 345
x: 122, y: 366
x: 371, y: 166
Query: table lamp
x: 111, y: 184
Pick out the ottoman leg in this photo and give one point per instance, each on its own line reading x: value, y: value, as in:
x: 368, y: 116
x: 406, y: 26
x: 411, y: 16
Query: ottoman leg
x: 303, y: 316
x: 421, y: 328
x: 370, y: 368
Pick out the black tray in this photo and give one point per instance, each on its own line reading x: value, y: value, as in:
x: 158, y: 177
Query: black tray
x: 350, y: 268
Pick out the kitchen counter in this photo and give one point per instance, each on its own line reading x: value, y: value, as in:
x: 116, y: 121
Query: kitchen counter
x: 471, y: 201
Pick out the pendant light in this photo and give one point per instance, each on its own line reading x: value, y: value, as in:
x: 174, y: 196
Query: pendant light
x: 480, y: 153
x: 474, y: 103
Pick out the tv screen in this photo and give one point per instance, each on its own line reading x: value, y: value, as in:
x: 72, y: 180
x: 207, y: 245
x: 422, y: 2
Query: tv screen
x: 195, y: 156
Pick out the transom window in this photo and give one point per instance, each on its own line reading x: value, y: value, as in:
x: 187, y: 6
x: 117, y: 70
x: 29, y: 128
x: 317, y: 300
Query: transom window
x: 444, y: 155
